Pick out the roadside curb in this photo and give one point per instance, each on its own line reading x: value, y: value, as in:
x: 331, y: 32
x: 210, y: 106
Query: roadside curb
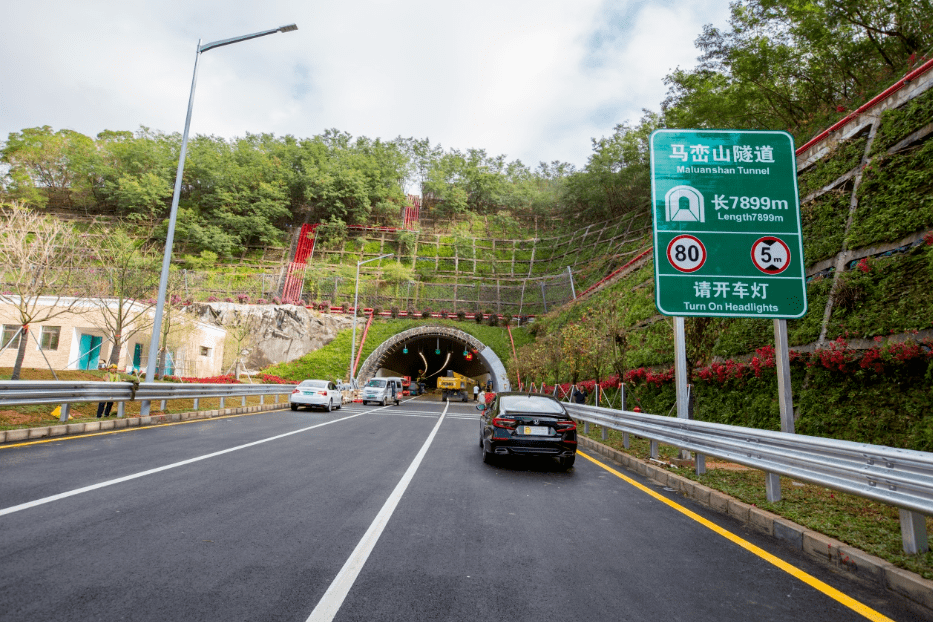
x: 814, y: 544
x: 73, y: 429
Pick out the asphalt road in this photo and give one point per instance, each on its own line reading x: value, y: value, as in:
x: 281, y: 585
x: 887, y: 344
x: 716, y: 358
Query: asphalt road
x: 372, y: 513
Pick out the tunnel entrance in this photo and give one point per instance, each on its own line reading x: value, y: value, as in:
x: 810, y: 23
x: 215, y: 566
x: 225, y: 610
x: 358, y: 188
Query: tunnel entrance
x: 432, y: 350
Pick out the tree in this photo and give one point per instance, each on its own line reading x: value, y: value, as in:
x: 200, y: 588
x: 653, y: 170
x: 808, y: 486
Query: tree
x: 49, y: 167
x: 41, y: 259
x: 129, y: 279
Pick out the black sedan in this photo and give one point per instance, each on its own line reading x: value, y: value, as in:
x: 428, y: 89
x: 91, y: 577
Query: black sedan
x: 527, y: 424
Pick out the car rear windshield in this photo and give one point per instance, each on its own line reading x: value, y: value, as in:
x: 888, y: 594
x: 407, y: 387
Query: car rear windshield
x: 525, y: 404
x: 316, y: 384
x: 376, y: 383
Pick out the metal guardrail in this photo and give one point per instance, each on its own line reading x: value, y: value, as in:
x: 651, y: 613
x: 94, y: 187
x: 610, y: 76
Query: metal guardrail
x: 25, y: 392
x: 899, y: 477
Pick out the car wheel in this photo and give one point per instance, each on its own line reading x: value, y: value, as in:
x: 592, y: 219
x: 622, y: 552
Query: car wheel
x: 566, y: 463
x: 384, y: 401
x: 330, y: 406
x: 294, y: 406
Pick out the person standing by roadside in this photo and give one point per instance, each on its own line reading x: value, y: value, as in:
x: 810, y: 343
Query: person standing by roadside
x: 103, y: 408
x: 580, y: 395
x: 475, y: 392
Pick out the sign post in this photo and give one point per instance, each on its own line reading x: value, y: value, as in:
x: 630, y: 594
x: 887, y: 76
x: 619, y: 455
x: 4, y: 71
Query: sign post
x: 727, y: 235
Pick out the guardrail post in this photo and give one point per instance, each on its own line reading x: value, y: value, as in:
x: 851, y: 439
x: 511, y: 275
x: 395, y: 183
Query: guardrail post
x: 221, y: 402
x: 654, y: 449
x: 625, y: 440
x: 700, y: 464
x: 243, y: 401
x: 121, y: 410
x: 66, y: 408
x: 262, y: 399
x: 605, y: 431
x: 162, y: 405
x: 276, y: 398
x: 773, y: 487
x: 144, y: 407
x: 586, y: 427
x: 197, y: 403
x: 914, y: 532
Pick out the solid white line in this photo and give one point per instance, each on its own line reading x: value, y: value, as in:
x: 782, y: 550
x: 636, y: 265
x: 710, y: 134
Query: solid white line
x: 333, y: 598
x: 120, y: 480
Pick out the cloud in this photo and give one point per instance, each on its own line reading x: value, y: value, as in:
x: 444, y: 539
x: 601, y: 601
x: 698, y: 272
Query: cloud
x: 531, y: 80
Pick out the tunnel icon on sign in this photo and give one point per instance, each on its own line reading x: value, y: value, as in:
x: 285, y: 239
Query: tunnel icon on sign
x: 684, y: 204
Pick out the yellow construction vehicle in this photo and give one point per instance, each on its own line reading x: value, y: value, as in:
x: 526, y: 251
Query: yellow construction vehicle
x: 455, y: 386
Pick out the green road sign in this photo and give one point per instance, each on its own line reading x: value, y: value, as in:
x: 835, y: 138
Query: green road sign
x: 727, y: 236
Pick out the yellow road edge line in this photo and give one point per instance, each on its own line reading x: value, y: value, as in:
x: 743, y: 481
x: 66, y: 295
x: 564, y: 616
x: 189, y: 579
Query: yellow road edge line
x: 71, y: 437
x: 795, y: 572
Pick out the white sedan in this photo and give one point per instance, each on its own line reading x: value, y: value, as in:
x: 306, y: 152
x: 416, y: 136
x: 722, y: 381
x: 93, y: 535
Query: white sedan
x: 312, y: 393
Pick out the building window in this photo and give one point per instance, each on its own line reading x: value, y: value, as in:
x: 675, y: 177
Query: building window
x: 49, y: 337
x: 11, y: 335
x: 205, y: 351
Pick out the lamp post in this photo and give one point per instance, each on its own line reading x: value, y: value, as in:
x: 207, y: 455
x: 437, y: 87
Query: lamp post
x: 152, y: 361
x: 356, y: 302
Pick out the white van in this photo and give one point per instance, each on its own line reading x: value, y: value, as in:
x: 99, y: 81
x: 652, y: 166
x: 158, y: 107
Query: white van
x: 380, y: 390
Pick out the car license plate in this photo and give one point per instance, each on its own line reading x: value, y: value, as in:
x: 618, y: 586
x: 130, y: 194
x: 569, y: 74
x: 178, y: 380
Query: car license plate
x: 536, y: 430
x: 307, y: 392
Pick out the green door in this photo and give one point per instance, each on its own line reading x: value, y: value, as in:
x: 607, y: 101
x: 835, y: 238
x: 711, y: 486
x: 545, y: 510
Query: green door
x: 89, y: 351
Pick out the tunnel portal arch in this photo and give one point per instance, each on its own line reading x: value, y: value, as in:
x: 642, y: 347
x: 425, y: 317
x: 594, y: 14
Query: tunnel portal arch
x: 389, y: 355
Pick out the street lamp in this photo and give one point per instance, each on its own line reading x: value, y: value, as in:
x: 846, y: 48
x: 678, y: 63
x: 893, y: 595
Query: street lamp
x: 356, y: 302
x: 152, y: 362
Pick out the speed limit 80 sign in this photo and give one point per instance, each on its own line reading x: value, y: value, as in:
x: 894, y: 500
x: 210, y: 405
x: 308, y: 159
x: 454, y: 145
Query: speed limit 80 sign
x: 727, y: 231
x: 686, y: 253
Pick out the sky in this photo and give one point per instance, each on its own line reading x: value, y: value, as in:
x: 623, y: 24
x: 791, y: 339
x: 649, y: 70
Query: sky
x: 533, y: 80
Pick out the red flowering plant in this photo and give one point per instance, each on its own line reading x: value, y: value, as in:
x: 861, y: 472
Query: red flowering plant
x: 225, y: 379
x: 270, y: 379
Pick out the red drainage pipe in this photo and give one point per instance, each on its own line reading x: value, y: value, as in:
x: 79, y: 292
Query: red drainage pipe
x: 614, y: 273
x: 870, y: 104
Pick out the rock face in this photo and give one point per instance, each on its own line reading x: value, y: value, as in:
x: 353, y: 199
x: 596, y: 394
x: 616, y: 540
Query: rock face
x: 269, y: 334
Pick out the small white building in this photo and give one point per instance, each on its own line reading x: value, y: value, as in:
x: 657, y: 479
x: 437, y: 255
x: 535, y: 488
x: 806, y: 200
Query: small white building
x: 78, y: 339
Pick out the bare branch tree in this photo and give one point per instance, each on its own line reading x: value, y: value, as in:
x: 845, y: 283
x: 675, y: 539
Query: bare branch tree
x: 41, y: 260
x: 128, y: 278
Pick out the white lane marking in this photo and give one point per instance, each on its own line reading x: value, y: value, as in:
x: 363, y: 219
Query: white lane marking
x: 333, y: 598
x: 126, y: 478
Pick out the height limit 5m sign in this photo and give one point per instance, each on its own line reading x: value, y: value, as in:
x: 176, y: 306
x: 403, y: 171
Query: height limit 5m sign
x: 727, y: 234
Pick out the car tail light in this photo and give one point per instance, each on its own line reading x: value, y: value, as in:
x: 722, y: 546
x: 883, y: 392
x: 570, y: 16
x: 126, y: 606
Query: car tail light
x: 502, y: 422
x: 322, y: 392
x: 295, y: 391
x: 566, y: 426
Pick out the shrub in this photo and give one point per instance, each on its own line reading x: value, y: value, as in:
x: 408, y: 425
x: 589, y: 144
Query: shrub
x: 228, y: 299
x: 242, y: 298
x: 261, y: 301
x: 478, y: 316
x: 212, y: 298
x: 377, y: 311
x: 445, y: 313
x: 394, y: 312
x: 345, y: 307
x: 276, y: 300
x: 461, y: 315
x: 425, y: 314
x: 506, y: 318
x: 411, y: 313
x: 493, y: 319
